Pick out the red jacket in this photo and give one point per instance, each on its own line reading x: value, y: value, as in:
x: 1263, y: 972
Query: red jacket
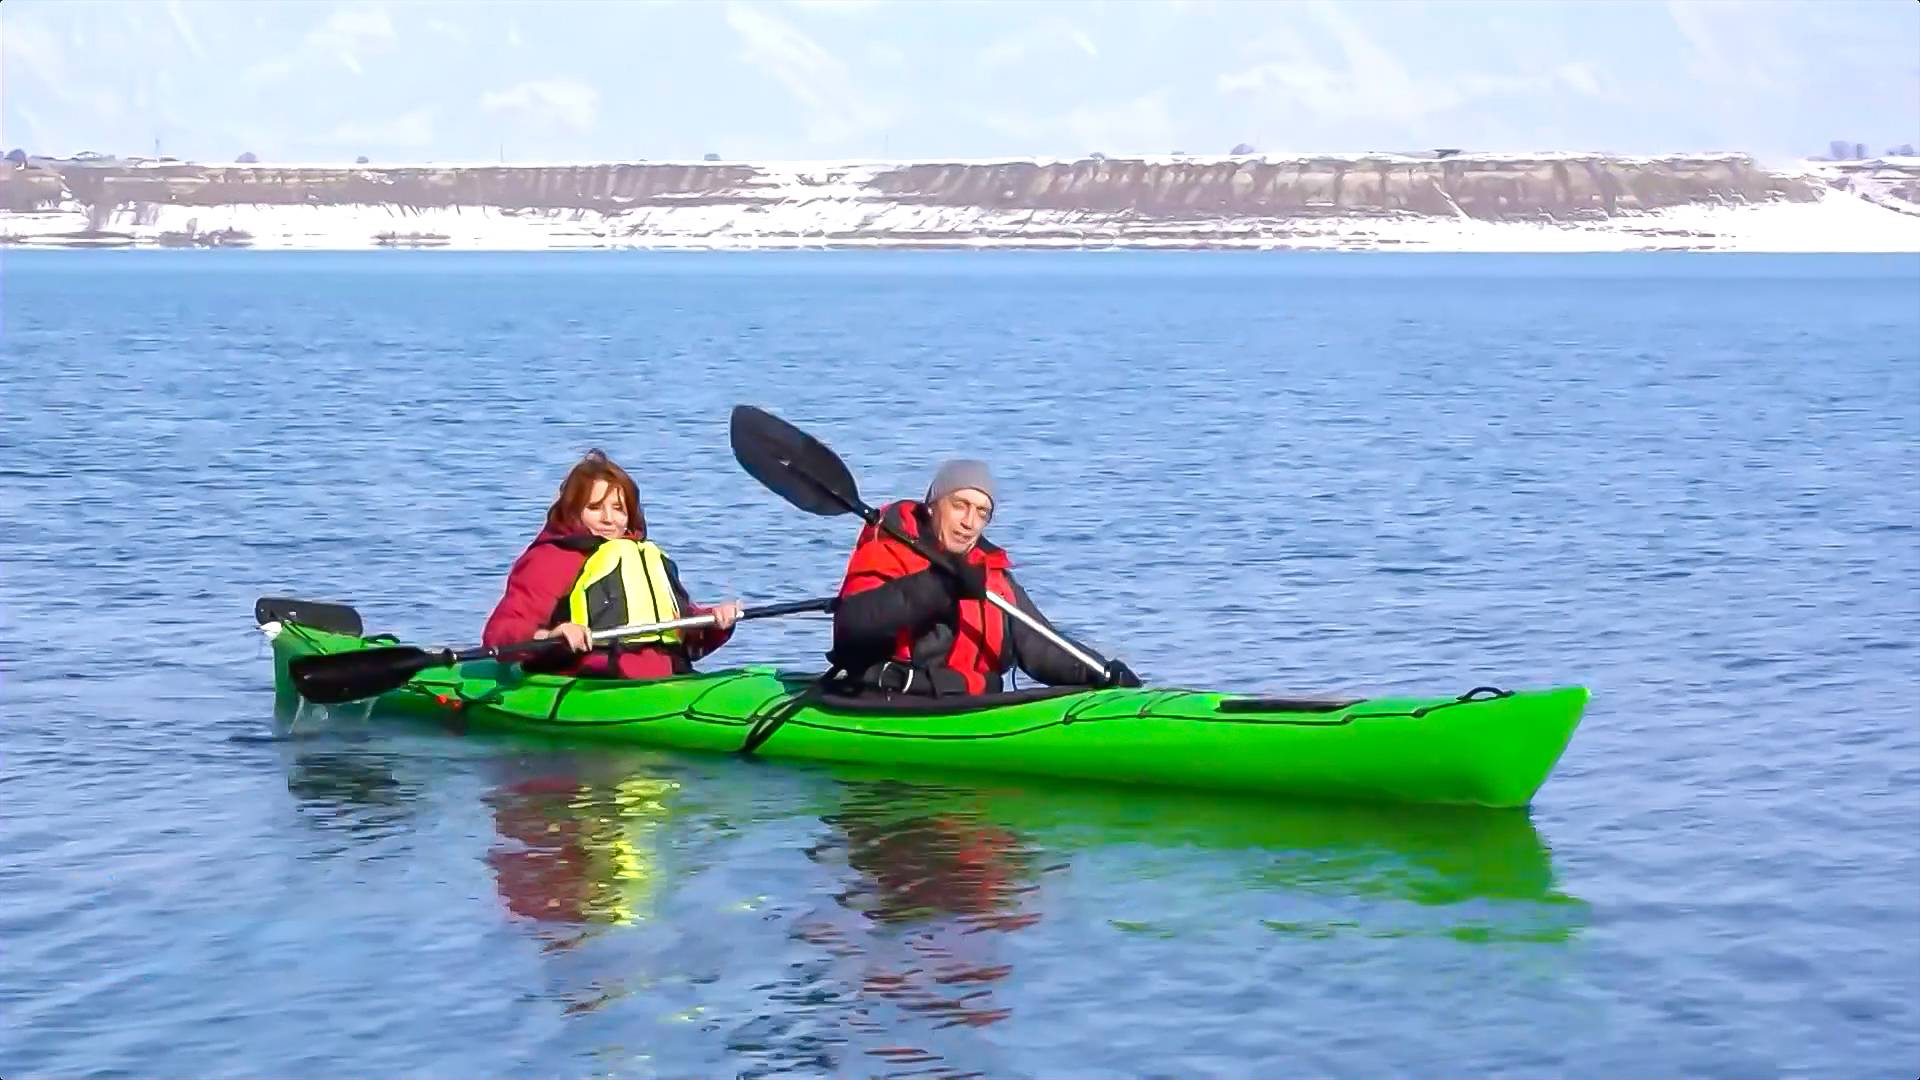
x: 540, y: 580
x: 898, y: 613
x: 971, y: 637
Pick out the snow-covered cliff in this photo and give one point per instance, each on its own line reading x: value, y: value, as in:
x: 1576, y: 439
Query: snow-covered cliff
x: 1438, y: 201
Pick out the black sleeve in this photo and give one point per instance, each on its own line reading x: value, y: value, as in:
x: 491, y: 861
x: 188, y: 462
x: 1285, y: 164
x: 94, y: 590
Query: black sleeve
x: 864, y: 625
x: 1042, y: 659
x: 673, y: 578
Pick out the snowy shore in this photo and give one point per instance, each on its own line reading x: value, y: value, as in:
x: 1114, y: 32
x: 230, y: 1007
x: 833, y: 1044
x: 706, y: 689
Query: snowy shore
x: 1483, y: 203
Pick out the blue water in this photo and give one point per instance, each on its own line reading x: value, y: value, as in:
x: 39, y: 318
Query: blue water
x: 1688, y: 482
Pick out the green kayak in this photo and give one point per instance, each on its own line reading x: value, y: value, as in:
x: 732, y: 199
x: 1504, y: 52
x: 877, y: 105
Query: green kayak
x: 1487, y: 747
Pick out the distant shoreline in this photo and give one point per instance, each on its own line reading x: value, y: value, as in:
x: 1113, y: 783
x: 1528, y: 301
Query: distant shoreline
x: 1444, y: 202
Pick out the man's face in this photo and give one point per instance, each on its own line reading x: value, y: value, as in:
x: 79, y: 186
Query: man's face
x: 959, y: 518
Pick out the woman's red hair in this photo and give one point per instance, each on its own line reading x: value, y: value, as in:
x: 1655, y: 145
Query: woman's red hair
x: 577, y: 488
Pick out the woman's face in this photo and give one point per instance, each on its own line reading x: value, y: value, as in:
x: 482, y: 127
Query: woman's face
x: 606, y: 511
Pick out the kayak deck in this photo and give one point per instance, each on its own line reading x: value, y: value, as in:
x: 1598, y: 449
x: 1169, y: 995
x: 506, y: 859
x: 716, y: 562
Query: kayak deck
x: 1484, y: 748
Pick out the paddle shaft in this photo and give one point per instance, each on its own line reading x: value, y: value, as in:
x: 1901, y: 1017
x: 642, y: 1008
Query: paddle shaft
x: 875, y: 518
x: 769, y: 611
x: 1014, y: 610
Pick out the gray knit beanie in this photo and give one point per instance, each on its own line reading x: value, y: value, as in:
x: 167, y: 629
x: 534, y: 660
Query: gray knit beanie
x: 959, y: 474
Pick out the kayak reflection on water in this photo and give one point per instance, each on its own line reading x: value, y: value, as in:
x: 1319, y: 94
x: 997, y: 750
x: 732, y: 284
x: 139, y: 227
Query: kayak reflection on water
x: 937, y: 888
x: 639, y: 873
x: 1438, y: 857
x: 914, y: 868
x: 575, y: 852
x: 575, y: 849
x: 354, y: 792
x: 578, y: 836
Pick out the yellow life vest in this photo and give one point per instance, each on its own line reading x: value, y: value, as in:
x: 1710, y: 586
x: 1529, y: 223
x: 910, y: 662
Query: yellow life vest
x: 625, y: 582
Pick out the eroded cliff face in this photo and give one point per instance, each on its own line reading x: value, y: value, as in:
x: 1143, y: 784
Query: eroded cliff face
x: 1175, y: 201
x: 588, y: 187
x: 1484, y: 188
x: 24, y: 189
x: 1488, y: 188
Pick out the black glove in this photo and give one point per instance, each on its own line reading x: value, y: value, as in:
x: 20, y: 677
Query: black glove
x: 967, y: 582
x: 1119, y: 674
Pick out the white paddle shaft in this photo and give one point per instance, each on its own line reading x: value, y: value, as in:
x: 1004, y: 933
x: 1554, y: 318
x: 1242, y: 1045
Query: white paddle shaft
x: 994, y: 598
x: 637, y: 629
x: 1040, y: 628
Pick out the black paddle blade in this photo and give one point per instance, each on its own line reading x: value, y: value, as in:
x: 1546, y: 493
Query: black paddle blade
x: 793, y: 464
x: 333, y: 618
x: 363, y: 673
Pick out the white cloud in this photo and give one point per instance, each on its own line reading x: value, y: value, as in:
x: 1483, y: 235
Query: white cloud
x: 38, y: 52
x: 1738, y: 44
x: 341, y: 38
x: 1582, y: 77
x: 267, y: 70
x: 812, y: 75
x: 185, y: 29
x: 29, y: 120
x: 563, y: 101
x: 453, y: 32
x: 1694, y: 24
x: 885, y: 55
x: 1366, y: 85
x: 837, y: 7
x: 107, y: 103
x: 347, y: 29
x: 29, y: 50
x: 1014, y: 125
x: 1043, y: 36
x: 413, y: 128
x: 1250, y: 80
x: 1141, y: 125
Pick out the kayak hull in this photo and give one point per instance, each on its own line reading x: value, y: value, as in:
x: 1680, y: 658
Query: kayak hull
x: 1475, y: 750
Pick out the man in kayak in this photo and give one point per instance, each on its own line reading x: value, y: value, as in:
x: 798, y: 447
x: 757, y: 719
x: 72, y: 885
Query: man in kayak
x: 906, y: 626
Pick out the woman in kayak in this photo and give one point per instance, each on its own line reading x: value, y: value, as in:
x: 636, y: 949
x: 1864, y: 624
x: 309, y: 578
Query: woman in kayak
x: 906, y: 627
x: 593, y: 568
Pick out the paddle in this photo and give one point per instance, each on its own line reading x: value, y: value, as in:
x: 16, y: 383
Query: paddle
x: 800, y: 469
x: 333, y: 618
x: 331, y: 678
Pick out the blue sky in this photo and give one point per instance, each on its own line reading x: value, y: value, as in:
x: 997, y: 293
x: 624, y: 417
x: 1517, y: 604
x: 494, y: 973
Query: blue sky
x: 605, y: 80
